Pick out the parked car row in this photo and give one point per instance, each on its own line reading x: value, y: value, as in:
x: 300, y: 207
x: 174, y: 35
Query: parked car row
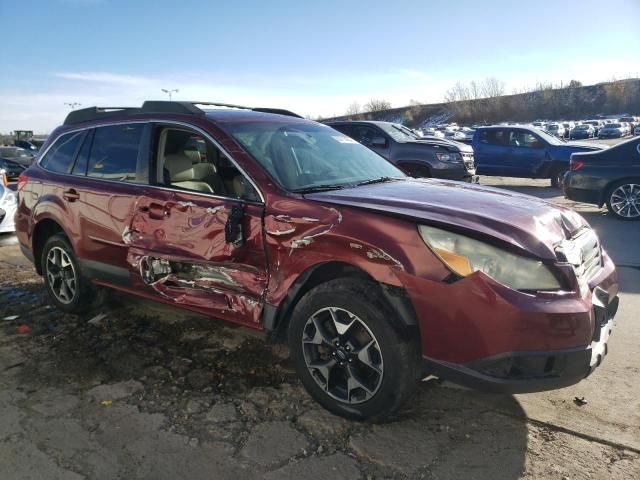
x: 375, y: 279
x: 608, y: 128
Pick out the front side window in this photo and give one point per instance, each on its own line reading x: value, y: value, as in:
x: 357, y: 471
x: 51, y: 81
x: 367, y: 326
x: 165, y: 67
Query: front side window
x: 61, y: 155
x: 114, y: 153
x: 188, y: 161
x: 301, y: 155
x: 365, y: 134
x: 521, y: 138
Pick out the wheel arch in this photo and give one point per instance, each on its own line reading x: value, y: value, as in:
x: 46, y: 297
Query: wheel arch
x: 606, y: 191
x: 407, y: 165
x: 276, y: 317
x: 43, y: 230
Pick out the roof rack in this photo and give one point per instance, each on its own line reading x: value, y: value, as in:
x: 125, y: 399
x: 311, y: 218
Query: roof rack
x: 160, y: 106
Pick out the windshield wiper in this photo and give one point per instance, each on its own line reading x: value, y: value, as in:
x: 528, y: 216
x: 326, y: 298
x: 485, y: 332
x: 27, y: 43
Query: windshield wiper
x: 319, y: 188
x: 376, y: 180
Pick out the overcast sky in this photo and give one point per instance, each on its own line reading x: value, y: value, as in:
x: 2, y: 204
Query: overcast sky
x: 315, y: 58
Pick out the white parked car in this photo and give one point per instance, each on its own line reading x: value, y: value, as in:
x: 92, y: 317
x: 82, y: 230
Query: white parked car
x: 465, y: 134
x: 8, y: 204
x: 555, y: 129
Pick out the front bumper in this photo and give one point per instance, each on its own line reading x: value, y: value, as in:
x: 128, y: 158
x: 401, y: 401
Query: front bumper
x: 525, y: 372
x: 457, y: 171
x: 479, y: 333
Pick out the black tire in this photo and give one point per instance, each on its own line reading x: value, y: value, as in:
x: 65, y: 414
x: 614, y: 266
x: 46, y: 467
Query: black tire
x: 557, y: 177
x: 398, y: 358
x: 85, y: 295
x: 623, y: 214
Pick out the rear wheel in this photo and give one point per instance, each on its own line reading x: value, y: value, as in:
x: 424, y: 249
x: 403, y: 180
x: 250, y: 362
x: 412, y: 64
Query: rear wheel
x: 65, y: 285
x: 623, y: 200
x: 348, y: 356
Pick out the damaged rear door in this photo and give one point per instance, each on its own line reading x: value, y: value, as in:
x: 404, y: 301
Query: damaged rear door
x: 196, y: 237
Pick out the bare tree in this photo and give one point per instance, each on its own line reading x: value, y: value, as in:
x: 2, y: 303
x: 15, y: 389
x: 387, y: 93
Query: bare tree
x: 492, y: 87
x: 353, y: 109
x: 377, y: 105
x: 458, y: 93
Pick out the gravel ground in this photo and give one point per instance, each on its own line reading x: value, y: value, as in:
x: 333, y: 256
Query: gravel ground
x: 144, y: 391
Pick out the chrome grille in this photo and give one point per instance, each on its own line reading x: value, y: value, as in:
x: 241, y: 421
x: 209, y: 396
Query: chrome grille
x: 584, y: 253
x: 467, y: 158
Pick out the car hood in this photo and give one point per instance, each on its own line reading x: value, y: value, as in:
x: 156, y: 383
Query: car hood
x: 450, y: 145
x: 525, y: 222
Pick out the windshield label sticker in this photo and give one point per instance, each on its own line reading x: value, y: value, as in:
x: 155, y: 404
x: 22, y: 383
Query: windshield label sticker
x: 343, y: 139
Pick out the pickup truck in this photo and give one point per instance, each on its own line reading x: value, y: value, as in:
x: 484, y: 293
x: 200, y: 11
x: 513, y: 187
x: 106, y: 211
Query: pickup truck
x: 527, y: 152
x: 417, y: 156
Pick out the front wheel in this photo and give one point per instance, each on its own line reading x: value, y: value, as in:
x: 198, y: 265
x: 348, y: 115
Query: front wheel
x: 349, y: 357
x: 623, y: 200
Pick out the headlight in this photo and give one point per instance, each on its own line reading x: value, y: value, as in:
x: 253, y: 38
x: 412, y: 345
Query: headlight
x: 464, y: 255
x: 449, y: 157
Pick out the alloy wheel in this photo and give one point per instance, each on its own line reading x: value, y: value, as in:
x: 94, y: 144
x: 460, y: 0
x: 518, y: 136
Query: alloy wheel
x: 61, y: 275
x: 625, y: 200
x: 342, y: 355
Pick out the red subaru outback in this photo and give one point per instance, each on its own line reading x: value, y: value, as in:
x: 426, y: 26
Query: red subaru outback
x: 261, y: 218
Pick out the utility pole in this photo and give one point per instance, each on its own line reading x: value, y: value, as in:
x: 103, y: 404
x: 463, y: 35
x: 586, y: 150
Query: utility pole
x: 72, y: 105
x: 170, y: 91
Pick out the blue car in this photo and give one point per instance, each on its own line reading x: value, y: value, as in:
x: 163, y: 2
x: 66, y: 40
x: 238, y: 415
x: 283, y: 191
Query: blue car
x: 527, y: 152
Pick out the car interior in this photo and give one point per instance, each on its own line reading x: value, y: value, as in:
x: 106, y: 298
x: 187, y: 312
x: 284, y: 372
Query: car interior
x: 186, y: 160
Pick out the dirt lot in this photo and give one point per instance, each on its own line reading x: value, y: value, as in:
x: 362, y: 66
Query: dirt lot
x: 148, y: 392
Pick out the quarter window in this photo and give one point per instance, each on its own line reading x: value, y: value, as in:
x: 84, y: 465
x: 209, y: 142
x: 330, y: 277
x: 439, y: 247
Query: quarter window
x: 114, y: 153
x: 60, y: 156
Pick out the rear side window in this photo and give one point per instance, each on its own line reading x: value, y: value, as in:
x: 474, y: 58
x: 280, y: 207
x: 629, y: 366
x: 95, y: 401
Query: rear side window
x: 114, y: 153
x: 60, y: 156
x: 493, y: 137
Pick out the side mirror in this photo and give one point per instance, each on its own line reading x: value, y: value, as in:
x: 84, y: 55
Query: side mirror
x: 379, y: 142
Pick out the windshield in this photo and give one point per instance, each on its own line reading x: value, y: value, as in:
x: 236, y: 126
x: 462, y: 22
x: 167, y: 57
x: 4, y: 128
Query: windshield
x: 398, y: 132
x: 614, y: 125
x: 306, y: 155
x: 553, y: 127
x: 8, y: 152
x: 549, y: 138
x: 583, y: 127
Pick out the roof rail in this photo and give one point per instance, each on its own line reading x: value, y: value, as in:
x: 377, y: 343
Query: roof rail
x: 93, y: 113
x: 160, y: 106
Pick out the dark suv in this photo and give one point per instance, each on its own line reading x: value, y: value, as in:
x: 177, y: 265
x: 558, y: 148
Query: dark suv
x: 416, y: 156
x: 281, y: 224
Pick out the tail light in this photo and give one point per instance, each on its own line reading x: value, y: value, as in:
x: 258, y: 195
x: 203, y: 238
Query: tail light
x: 575, y: 165
x: 22, y: 181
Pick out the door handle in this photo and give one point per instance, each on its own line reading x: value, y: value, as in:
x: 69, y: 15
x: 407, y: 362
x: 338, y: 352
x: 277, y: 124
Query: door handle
x: 156, y: 211
x: 70, y: 195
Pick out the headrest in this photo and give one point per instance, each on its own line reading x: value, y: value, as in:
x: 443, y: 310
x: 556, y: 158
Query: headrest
x: 194, y: 155
x: 179, y: 166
